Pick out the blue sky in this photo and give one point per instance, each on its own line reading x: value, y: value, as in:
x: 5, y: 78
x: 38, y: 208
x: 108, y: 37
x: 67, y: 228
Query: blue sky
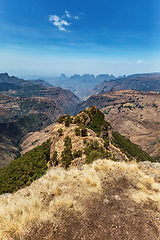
x: 50, y: 37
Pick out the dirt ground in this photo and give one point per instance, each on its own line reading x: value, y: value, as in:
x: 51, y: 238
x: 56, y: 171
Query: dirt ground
x: 111, y: 215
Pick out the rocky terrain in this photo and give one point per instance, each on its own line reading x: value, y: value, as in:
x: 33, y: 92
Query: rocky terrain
x: 18, y: 117
x: 109, y: 198
x: 81, y: 86
x: 28, y: 106
x: 34, y: 139
x: 11, y: 108
x: 140, y: 82
x: 29, y: 109
x: 133, y: 114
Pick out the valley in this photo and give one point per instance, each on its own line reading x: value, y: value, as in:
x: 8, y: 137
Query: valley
x: 133, y: 114
x: 25, y: 107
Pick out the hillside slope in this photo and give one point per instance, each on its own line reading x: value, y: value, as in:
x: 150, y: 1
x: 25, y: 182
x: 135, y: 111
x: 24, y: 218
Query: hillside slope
x: 73, y: 141
x: 140, y: 82
x: 133, y: 114
x: 18, y: 117
x: 21, y: 100
x: 109, y: 198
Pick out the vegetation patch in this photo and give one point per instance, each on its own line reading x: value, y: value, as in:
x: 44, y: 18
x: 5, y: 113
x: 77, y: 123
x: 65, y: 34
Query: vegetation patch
x: 94, y: 151
x: 22, y: 171
x: 129, y: 148
x: 66, y: 155
x: 97, y: 123
x: 67, y: 120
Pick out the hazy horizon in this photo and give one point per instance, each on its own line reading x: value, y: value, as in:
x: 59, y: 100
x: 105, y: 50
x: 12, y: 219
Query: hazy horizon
x: 49, y: 37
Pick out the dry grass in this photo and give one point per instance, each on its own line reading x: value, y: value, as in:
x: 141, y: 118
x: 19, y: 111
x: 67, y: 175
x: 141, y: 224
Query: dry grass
x: 60, y: 189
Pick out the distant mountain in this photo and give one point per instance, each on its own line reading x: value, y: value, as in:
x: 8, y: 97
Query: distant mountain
x: 41, y: 83
x: 81, y: 86
x: 5, y: 78
x: 5, y: 86
x: 13, y: 86
x: 140, y: 82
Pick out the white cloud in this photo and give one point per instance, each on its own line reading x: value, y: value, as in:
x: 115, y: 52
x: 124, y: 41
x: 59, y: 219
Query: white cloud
x: 62, y: 29
x: 67, y: 14
x: 60, y: 22
x: 63, y: 22
x: 139, y: 62
x: 54, y: 18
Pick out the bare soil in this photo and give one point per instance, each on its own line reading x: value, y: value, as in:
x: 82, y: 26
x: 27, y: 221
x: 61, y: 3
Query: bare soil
x: 111, y: 215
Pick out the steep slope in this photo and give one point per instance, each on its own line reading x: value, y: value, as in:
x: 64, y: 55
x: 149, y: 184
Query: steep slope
x: 19, y: 116
x: 20, y: 98
x: 74, y: 141
x: 64, y: 98
x: 14, y: 86
x: 12, y: 108
x: 133, y: 114
x: 11, y: 135
x: 36, y: 138
x: 140, y: 82
x: 106, y: 199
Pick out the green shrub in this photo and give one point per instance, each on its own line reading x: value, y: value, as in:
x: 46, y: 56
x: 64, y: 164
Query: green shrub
x: 92, y: 155
x: 77, y: 131
x: 106, y: 143
x: 129, y: 148
x: 67, y: 142
x: 54, y: 158
x: 77, y: 120
x: 22, y: 171
x: 77, y: 153
x: 61, y: 119
x: 84, y: 141
x: 93, y: 151
x: 60, y: 131
x: 97, y: 123
x: 68, y: 121
x: 66, y: 155
x: 84, y: 132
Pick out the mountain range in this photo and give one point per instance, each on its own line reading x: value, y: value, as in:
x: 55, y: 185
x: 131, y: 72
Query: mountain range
x: 24, y: 102
x: 27, y: 106
x: 81, y: 86
x: 83, y: 176
x: 140, y: 82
